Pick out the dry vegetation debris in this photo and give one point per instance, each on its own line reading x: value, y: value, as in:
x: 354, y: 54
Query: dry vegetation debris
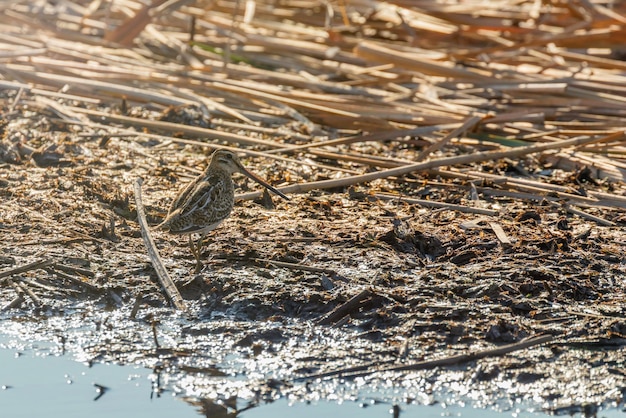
x: 458, y: 172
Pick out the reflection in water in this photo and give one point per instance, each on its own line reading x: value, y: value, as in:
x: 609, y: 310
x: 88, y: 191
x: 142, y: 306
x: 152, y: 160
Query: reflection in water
x: 36, y: 381
x: 100, y: 390
x: 395, y: 411
x: 218, y: 409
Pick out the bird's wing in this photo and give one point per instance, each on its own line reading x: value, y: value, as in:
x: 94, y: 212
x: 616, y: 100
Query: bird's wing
x: 200, y: 194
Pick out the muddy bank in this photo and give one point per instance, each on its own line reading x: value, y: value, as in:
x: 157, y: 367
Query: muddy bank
x: 430, y: 284
x: 438, y: 222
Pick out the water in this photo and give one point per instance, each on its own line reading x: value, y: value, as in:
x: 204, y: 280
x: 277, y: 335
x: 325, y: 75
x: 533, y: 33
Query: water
x: 56, y: 386
x: 37, y: 381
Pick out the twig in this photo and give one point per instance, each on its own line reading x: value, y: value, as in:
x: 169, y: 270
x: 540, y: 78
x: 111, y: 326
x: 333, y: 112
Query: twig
x: 589, y: 216
x: 377, y: 53
x: 112, y: 89
x: 442, y: 162
x: 73, y: 269
x: 500, y: 234
x: 27, y: 291
x: 168, y: 285
x: 193, y: 131
x: 136, y: 305
x: 65, y: 291
x: 154, y: 334
x: 377, y: 367
x: 295, y: 266
x: 372, y: 137
x: 433, y: 204
x: 466, y: 126
x: 464, y: 358
x: 284, y: 99
x: 14, y: 303
x: 31, y: 266
x: 343, y: 310
x: 214, y: 134
x: 555, y: 198
x: 75, y: 280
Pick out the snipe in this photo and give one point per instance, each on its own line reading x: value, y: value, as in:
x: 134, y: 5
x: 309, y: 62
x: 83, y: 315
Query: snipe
x: 208, y: 200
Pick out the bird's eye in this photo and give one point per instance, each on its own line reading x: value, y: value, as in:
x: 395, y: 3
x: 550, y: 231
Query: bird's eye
x: 229, y: 156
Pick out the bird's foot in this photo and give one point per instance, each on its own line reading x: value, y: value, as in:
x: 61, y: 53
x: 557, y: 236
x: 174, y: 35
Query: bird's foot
x: 198, y: 266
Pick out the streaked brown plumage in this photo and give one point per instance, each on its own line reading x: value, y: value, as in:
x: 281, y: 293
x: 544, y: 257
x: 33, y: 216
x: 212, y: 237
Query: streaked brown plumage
x: 209, y: 199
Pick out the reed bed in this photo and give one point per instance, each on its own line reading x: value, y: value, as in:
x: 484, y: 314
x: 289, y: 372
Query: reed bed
x: 317, y: 79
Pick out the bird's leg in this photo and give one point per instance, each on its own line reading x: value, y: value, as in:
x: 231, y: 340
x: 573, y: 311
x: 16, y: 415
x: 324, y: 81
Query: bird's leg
x: 196, y: 250
x: 200, y: 244
x: 192, y: 247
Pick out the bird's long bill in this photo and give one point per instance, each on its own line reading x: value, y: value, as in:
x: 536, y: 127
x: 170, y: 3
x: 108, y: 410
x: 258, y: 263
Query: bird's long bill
x: 263, y: 183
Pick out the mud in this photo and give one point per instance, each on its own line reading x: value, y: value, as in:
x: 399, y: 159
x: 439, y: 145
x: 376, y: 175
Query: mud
x: 434, y: 283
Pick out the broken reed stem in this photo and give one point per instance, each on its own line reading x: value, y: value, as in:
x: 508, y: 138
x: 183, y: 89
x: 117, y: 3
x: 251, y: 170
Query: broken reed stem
x: 342, y: 310
x: 469, y: 124
x: 379, y: 367
x: 245, y: 140
x: 75, y: 280
x: 231, y: 138
x: 155, y: 334
x: 442, y: 162
x: 136, y: 305
x: 588, y: 216
x: 295, y: 266
x: 16, y: 302
x: 536, y: 189
x: 30, y: 266
x: 464, y: 358
x: 27, y: 291
x: 441, y: 205
x: 371, y: 137
x: 169, y: 287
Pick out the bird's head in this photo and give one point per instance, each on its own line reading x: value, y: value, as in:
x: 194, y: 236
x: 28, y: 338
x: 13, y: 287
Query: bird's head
x: 226, y: 160
x: 229, y: 162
